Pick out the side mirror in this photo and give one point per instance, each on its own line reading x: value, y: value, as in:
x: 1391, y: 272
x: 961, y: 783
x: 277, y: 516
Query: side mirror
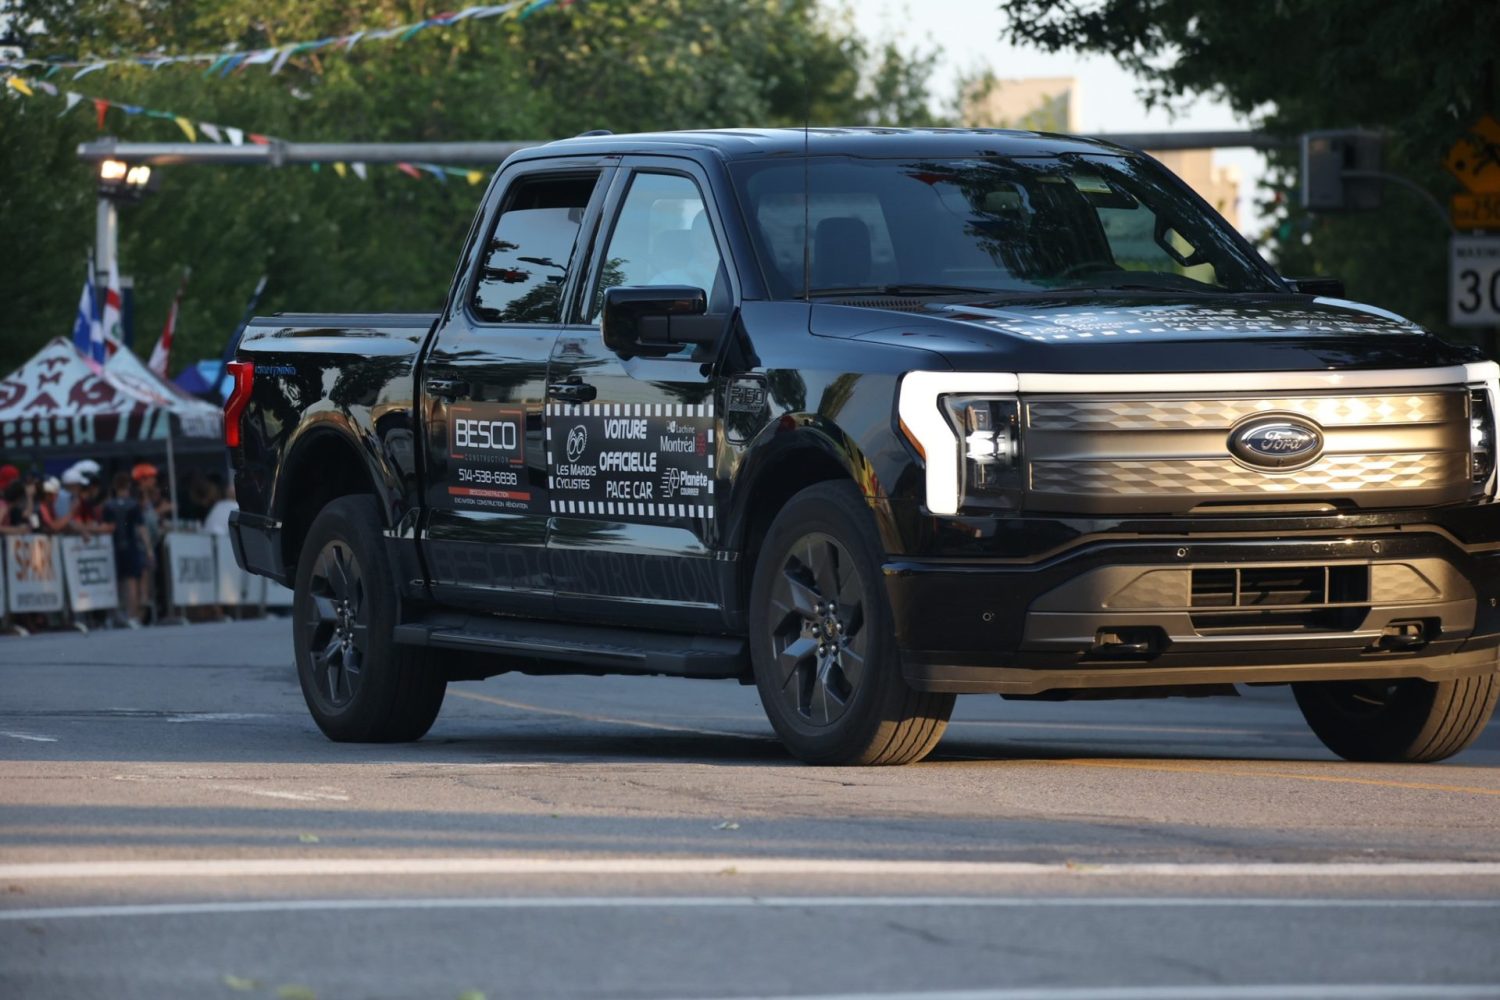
x: 641, y: 319
x: 1331, y: 288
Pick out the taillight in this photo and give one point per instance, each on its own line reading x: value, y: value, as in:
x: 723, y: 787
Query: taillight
x: 243, y: 373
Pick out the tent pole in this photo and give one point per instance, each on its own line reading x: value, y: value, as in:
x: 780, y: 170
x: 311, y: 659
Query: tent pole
x: 172, y: 472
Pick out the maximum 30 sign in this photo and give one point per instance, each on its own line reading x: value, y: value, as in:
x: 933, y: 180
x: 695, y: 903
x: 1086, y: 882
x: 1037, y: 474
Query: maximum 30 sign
x: 1474, y: 281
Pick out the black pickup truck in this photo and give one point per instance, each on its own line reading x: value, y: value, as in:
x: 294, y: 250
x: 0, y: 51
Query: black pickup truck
x: 871, y: 418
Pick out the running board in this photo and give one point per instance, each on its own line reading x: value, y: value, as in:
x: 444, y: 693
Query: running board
x: 576, y: 648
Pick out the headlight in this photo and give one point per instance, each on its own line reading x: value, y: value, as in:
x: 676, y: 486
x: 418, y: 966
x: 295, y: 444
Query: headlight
x: 989, y: 441
x: 1481, y: 439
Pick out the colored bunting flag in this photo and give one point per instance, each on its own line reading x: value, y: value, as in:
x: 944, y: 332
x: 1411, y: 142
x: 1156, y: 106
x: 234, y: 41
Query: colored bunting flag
x: 224, y: 63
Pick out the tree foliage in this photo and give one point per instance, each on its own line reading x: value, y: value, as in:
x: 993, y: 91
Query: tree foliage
x: 1422, y: 71
x: 389, y: 243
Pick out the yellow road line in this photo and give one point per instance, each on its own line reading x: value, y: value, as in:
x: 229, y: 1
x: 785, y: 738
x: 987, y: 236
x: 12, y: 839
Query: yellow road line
x: 1421, y: 786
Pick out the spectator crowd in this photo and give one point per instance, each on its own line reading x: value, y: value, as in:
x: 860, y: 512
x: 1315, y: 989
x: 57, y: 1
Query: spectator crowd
x: 128, y: 505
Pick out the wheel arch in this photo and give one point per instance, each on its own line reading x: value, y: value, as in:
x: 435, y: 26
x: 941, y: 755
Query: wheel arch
x: 800, y: 452
x: 324, y: 462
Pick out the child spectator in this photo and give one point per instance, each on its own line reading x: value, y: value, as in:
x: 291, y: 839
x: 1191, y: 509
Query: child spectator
x: 122, y: 514
x: 21, y: 516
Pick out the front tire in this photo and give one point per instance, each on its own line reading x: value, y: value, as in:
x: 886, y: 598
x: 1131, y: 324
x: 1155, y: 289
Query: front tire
x: 821, y: 641
x: 1403, y: 721
x: 359, y: 685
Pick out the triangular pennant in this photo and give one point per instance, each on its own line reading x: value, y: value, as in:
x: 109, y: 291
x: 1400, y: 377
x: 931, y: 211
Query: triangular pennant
x: 352, y: 40
x: 259, y: 139
x: 46, y: 87
x: 236, y: 136
x: 92, y: 67
x: 281, y: 59
x: 20, y: 85
x: 101, y: 108
x: 359, y: 169
x: 474, y: 176
x: 73, y: 98
x: 187, y: 128
x: 409, y: 170
x: 211, y: 130
x: 340, y: 169
x: 434, y: 170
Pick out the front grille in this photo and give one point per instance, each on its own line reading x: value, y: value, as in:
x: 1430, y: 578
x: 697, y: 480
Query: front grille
x: 1133, y: 414
x: 1333, y: 475
x: 1169, y: 453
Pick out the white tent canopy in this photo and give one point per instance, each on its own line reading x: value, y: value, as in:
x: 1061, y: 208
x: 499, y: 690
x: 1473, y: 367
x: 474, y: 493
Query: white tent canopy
x: 60, y: 401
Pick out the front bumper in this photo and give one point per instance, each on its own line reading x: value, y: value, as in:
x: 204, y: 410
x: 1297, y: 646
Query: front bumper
x: 1133, y: 611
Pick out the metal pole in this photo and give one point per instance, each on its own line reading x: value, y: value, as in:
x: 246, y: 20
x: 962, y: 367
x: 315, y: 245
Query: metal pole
x: 171, y: 473
x: 106, y: 242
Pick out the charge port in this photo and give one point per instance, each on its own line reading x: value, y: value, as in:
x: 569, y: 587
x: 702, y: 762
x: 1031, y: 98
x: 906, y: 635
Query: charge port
x: 1127, y: 643
x: 1403, y: 636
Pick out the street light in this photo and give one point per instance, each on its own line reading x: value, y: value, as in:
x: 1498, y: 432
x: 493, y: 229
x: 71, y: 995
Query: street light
x: 121, y: 181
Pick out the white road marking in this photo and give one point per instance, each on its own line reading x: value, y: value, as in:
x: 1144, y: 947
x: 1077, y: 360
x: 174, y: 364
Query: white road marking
x: 30, y: 737
x: 215, y: 716
x: 521, y: 866
x: 1278, y: 991
x: 313, y: 795
x: 243, y: 906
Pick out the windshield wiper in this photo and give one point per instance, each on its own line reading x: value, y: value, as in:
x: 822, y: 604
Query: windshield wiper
x: 907, y: 289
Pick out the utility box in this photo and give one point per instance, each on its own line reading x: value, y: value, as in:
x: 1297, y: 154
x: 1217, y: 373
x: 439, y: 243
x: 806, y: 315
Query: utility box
x: 1337, y: 169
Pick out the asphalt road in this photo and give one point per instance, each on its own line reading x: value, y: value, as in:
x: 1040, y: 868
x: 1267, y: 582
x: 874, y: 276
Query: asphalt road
x: 173, y: 825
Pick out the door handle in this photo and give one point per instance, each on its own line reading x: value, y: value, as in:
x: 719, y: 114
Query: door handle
x: 574, y: 390
x: 448, y: 388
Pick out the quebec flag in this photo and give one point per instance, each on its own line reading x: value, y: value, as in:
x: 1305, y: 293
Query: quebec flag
x: 88, y: 316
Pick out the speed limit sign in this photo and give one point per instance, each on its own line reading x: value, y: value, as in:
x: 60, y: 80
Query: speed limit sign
x: 1474, y: 281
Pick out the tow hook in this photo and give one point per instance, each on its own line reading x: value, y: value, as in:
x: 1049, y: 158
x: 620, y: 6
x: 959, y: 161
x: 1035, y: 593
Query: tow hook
x: 1403, y: 636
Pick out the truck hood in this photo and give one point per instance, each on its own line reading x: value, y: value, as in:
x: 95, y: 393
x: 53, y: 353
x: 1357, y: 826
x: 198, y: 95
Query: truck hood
x: 1125, y: 332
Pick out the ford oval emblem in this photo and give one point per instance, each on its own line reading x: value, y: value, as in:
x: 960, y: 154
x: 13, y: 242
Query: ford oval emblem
x: 1280, y: 443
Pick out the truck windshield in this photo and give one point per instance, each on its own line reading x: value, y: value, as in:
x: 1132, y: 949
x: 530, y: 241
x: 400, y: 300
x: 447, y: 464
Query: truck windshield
x: 990, y: 225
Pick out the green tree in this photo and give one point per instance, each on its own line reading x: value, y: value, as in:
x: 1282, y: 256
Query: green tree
x: 1422, y: 71
x: 390, y: 243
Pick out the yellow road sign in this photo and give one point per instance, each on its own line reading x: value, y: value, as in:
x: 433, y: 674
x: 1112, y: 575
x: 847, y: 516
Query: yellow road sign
x: 1475, y: 158
x: 1476, y: 211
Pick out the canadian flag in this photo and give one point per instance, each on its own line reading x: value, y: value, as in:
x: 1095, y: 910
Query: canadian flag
x: 105, y: 338
x: 161, y: 354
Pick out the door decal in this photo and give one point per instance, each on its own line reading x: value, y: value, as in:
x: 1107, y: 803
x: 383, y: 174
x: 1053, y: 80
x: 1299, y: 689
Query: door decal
x: 642, y: 461
x: 487, y: 448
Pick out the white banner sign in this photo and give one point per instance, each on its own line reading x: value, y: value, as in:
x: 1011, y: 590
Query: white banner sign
x: 190, y: 566
x: 89, y: 568
x: 33, y: 572
x: 236, y: 587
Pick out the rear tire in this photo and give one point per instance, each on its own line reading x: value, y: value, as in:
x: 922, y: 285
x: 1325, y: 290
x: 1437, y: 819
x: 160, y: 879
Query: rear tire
x: 360, y: 686
x: 822, y: 644
x: 1409, y: 720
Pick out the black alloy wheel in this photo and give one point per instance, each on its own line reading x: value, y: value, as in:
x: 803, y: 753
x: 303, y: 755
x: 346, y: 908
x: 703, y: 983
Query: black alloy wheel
x: 822, y: 644
x: 1398, y: 721
x: 339, y: 631
x: 359, y: 684
x: 818, y: 634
